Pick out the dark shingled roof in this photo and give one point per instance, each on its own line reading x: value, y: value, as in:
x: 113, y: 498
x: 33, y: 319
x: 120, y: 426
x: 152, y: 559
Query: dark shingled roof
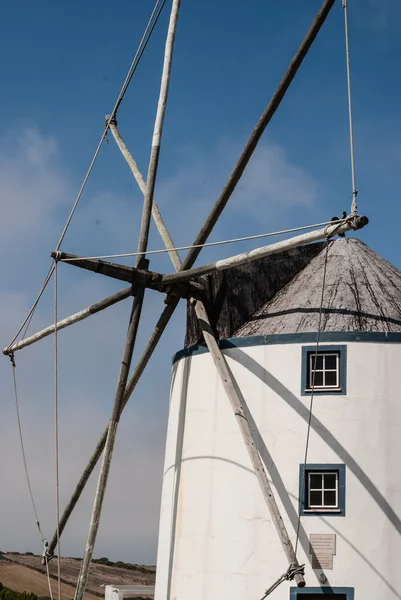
x: 281, y: 293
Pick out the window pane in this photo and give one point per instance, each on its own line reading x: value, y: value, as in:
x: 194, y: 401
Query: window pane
x: 315, y: 498
x: 319, y: 362
x: 330, y: 481
x: 331, y: 378
x: 330, y: 498
x: 331, y: 361
x: 318, y: 379
x: 315, y: 481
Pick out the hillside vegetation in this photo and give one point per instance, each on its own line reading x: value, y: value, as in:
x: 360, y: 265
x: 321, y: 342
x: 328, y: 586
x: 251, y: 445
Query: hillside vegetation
x: 24, y: 573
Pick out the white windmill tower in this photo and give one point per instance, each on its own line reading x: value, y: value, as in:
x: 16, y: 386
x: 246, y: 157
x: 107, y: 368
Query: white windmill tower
x: 330, y: 447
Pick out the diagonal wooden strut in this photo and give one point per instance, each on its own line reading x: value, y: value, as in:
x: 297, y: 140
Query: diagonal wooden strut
x: 75, y: 318
x: 354, y: 223
x: 236, y: 400
x: 158, y: 219
x: 258, y: 131
x: 201, y: 238
x: 237, y: 404
x: 167, y: 283
x: 137, y: 305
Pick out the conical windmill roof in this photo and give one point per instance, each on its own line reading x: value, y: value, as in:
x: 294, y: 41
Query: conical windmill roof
x: 362, y: 293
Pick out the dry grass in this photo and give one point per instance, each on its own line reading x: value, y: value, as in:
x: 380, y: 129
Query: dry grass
x: 26, y: 574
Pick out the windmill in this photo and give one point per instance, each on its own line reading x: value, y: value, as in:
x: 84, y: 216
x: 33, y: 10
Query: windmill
x: 184, y: 283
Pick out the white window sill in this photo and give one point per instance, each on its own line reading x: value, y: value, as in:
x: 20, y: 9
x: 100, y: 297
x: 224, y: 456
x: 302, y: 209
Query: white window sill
x: 324, y: 389
x: 322, y: 510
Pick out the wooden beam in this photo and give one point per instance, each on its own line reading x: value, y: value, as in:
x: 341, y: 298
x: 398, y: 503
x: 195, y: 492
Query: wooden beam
x: 134, y: 275
x: 136, y: 309
x: 354, y: 223
x: 237, y: 402
x: 75, y: 318
x: 258, y: 131
x: 157, y: 217
x: 136, y: 375
x: 159, y: 282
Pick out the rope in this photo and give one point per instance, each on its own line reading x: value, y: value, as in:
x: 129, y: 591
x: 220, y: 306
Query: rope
x: 219, y: 243
x: 56, y: 426
x: 32, y: 310
x: 27, y: 474
x: 154, y: 17
x: 354, y: 208
x: 23, y: 448
x: 148, y: 32
x: 48, y: 578
x: 287, y: 576
x: 312, y: 394
x: 135, y: 62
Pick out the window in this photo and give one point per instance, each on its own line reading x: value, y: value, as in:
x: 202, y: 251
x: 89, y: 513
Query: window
x: 322, y: 490
x: 326, y: 374
x: 324, y: 371
x: 313, y: 593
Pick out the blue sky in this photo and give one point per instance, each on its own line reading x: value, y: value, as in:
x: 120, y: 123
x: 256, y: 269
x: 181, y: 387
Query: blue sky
x: 65, y: 65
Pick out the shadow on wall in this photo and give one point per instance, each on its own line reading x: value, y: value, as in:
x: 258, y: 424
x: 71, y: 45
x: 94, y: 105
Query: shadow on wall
x: 260, y: 372
x: 288, y: 397
x: 273, y: 383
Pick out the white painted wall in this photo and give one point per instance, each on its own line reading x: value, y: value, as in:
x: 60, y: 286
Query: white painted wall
x: 216, y: 539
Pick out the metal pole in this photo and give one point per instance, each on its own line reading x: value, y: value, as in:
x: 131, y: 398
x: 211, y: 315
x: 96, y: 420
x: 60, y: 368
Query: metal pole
x: 75, y: 318
x: 356, y: 222
x: 204, y: 234
x: 136, y: 310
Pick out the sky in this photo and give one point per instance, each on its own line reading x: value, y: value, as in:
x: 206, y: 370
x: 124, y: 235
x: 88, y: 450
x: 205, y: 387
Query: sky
x: 65, y: 63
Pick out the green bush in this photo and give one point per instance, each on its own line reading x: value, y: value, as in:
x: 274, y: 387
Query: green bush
x: 6, y: 594
x: 101, y: 561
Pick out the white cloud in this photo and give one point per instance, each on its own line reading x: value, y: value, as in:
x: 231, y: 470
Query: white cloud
x: 273, y: 191
x: 35, y: 195
x: 274, y: 183
x: 32, y: 188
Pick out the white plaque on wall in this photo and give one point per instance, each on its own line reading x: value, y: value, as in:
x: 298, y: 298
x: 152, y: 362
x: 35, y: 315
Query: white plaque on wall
x: 322, y: 547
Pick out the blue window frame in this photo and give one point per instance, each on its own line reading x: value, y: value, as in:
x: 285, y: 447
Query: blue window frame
x: 330, y: 372
x: 312, y: 593
x: 322, y: 490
